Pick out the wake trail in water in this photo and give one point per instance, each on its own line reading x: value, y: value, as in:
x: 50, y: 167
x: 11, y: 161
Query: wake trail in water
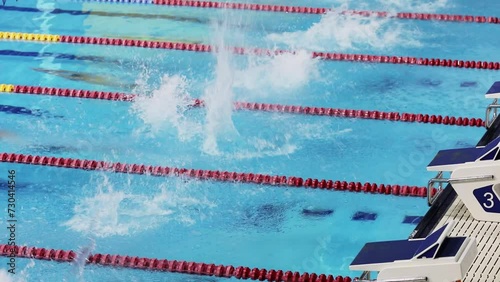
x: 111, y: 212
x: 343, y: 32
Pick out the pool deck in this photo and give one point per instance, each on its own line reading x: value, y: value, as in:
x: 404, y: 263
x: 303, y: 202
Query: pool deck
x: 486, y: 266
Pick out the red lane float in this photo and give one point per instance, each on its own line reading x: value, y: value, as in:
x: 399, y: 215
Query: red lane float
x: 216, y: 175
x: 318, y: 111
x: 363, y: 114
x: 76, y: 93
x: 198, y: 47
x: 178, y: 266
x: 314, y: 10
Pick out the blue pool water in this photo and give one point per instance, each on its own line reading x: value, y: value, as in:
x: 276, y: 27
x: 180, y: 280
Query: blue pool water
x: 227, y: 223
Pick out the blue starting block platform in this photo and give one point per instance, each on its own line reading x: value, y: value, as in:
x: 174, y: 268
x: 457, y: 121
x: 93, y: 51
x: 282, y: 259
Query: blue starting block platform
x: 437, y: 258
x: 475, y: 177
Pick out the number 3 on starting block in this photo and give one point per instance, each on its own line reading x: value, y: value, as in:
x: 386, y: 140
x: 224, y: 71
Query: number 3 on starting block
x: 488, y: 199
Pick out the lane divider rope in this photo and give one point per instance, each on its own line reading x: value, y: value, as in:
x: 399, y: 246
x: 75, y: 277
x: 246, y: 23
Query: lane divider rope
x: 317, y: 111
x: 178, y: 266
x: 313, y: 10
x: 216, y: 175
x: 309, y: 10
x: 197, y: 47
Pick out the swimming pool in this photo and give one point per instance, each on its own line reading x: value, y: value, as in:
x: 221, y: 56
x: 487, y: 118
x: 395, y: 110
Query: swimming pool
x: 228, y: 223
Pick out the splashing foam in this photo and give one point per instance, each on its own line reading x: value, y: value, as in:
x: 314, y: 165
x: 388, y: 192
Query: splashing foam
x: 141, y: 81
x: 414, y: 6
x: 278, y: 73
x: 262, y: 76
x: 5, y: 276
x: 321, y: 131
x: 426, y: 6
x: 81, y: 260
x: 340, y: 32
x: 218, y: 95
x: 110, y: 212
x: 19, y: 276
x: 265, y: 148
x: 166, y: 106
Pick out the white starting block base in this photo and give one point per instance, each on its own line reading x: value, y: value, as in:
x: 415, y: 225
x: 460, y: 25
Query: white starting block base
x: 482, y: 198
x: 486, y: 266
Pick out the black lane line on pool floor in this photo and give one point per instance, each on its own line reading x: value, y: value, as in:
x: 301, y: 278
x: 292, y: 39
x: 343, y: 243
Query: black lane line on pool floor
x: 194, y: 20
x: 93, y: 59
x: 357, y: 216
x: 364, y: 216
x: 106, y: 14
x: 15, y: 110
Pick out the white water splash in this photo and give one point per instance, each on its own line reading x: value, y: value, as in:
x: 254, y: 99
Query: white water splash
x: 254, y: 78
x: 6, y: 277
x: 321, y: 131
x: 264, y: 148
x: 263, y: 76
x: 81, y: 259
x: 339, y: 32
x: 428, y: 6
x: 218, y: 95
x: 280, y: 73
x: 110, y: 212
x: 417, y: 6
x: 19, y: 276
x: 166, y: 106
x: 145, y: 73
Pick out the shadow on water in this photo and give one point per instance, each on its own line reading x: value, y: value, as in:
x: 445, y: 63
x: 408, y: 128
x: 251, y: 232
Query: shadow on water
x: 384, y: 85
x: 19, y: 111
x: 146, y: 16
x: 4, y: 184
x: 271, y: 217
x: 430, y: 82
x: 37, y: 148
x: 54, y: 149
x: 90, y: 78
x: 15, y: 110
x: 468, y: 84
x: 316, y: 212
x: 464, y: 144
x: 106, y: 14
x: 93, y: 59
x: 267, y: 217
x: 89, y: 59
